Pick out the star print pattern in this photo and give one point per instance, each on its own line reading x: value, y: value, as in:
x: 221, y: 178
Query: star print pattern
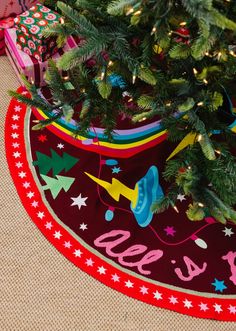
x: 83, y: 226
x: 40, y: 215
x: 30, y: 195
x: 26, y: 184
x: 158, y: 295
x: 129, y: 284
x: 67, y: 244
x: 60, y: 146
x: 19, y: 165
x: 22, y: 174
x: 49, y: 225
x: 15, y: 117
x: 14, y: 126
x: 42, y: 138
x: 219, y: 285
x: 101, y: 270
x: 144, y: 290
x: 217, y: 308
x: 77, y: 253
x: 203, y: 306
x: 79, y: 201
x: 170, y: 231
x: 116, y: 170
x: 173, y: 300
x: 17, y: 108
x: 181, y: 197
x: 89, y: 262
x: 58, y: 235
x: 187, y: 304
x: 232, y: 309
x: 16, y: 155
x: 228, y: 231
x: 34, y: 204
x: 15, y: 135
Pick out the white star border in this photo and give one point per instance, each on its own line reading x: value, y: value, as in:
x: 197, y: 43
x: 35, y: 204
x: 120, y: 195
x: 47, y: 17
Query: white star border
x: 70, y: 247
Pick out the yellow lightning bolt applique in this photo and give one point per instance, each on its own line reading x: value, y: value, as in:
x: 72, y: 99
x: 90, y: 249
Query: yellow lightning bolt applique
x: 116, y: 188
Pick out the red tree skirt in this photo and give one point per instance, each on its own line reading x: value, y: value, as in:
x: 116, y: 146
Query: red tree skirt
x: 95, y: 210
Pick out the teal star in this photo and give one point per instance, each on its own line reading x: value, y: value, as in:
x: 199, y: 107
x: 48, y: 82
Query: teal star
x: 219, y: 285
x: 116, y: 170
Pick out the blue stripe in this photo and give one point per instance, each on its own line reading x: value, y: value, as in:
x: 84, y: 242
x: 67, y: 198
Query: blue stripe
x: 118, y: 137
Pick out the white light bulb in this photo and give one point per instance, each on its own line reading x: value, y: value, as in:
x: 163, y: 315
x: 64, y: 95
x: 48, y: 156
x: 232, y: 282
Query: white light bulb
x: 199, y: 242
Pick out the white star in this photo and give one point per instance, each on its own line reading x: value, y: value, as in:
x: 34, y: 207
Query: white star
x: 15, y: 145
x: 48, y: 225
x: 67, y: 244
x: 57, y: 235
x: 89, y: 262
x: 15, y: 135
x: 181, y: 197
x: 30, y: 195
x: 83, y: 226
x: 14, y: 126
x: 77, y: 253
x: 40, y: 215
x: 203, y: 306
x: 15, y: 117
x: 129, y: 284
x: 16, y: 155
x: 144, y: 290
x: 157, y: 295
x: 17, y: 108
x: 60, y: 146
x: 173, y: 300
x: 19, y: 165
x: 115, y: 278
x: 25, y: 93
x: 101, y: 270
x: 228, y: 231
x: 232, y: 309
x: 217, y: 307
x: 34, y: 204
x: 187, y: 303
x: 22, y: 174
x: 26, y: 184
x: 79, y: 201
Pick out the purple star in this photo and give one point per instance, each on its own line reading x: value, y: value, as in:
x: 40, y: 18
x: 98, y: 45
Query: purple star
x: 170, y: 231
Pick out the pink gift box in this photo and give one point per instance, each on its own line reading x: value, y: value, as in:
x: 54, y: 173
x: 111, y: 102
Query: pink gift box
x: 27, y: 65
x: 4, y: 24
x: 14, y: 7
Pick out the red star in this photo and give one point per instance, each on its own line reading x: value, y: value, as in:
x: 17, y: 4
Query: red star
x: 42, y: 138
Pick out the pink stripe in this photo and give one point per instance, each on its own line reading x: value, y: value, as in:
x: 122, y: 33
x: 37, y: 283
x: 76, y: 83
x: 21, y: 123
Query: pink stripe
x: 11, y: 39
x: 14, y: 66
x: 71, y: 42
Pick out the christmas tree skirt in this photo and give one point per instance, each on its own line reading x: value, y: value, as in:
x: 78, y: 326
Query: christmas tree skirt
x: 91, y: 199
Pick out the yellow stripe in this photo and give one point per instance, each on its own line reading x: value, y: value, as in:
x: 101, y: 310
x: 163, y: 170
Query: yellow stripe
x: 106, y: 144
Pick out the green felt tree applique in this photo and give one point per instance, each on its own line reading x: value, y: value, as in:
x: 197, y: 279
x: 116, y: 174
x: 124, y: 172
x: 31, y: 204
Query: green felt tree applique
x: 56, y: 162
x: 55, y: 185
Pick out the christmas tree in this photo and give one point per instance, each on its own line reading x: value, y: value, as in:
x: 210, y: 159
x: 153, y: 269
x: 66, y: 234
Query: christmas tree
x: 174, y: 60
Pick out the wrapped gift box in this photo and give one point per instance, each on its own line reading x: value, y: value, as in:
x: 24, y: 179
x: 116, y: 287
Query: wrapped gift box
x: 4, y: 24
x: 14, y: 7
x: 30, y: 26
x: 33, y: 69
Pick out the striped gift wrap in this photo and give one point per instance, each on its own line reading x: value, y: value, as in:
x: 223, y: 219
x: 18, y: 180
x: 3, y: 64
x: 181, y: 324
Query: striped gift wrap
x: 26, y: 65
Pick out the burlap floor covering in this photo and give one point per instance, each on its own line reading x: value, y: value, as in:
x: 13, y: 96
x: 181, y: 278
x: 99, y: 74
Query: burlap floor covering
x: 41, y: 290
